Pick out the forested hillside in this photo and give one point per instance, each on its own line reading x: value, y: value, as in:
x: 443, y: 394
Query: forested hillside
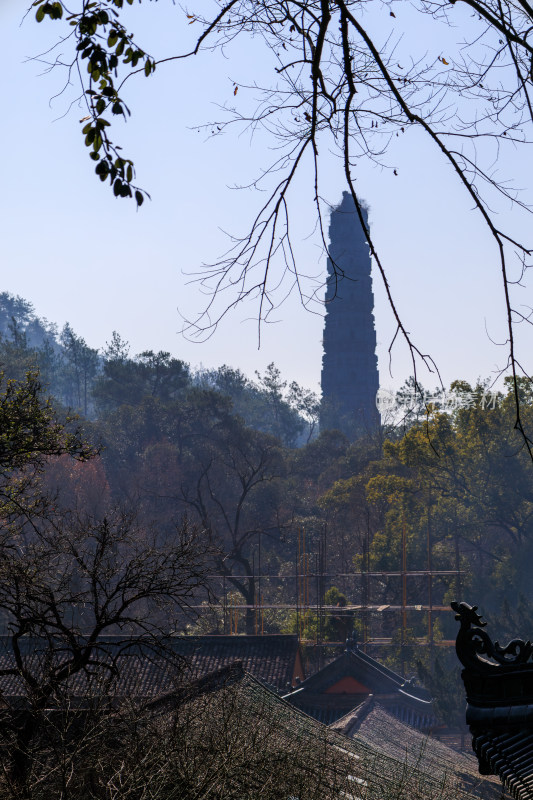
x: 296, y: 519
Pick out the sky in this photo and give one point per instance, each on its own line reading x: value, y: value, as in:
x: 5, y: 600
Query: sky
x: 82, y: 256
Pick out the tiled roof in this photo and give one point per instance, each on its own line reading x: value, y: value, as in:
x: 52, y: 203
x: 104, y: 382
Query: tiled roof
x: 377, y: 677
x: 510, y: 756
x: 272, y: 659
x: 314, y: 695
x: 373, y: 725
x: 126, y: 674
x: 141, y: 671
x: 370, y: 769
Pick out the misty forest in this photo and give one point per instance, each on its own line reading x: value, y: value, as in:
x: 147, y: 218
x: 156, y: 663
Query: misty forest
x: 302, y: 530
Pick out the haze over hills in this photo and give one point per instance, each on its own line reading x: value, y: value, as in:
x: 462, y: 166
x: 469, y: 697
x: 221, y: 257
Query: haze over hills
x: 76, y: 374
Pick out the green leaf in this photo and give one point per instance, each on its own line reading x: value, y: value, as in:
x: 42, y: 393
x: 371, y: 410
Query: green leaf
x: 39, y: 15
x: 139, y: 198
x: 147, y: 68
x: 100, y: 105
x: 129, y: 173
x: 117, y: 187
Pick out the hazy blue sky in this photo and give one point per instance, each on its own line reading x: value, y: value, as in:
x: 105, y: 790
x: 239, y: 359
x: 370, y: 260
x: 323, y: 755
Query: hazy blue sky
x: 80, y: 255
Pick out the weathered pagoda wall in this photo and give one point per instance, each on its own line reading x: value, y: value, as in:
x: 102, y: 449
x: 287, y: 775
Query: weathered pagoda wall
x: 350, y: 377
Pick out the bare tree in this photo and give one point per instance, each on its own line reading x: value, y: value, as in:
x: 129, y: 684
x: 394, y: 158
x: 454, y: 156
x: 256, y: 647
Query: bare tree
x: 233, y: 487
x: 67, y: 584
x: 338, y: 86
x: 64, y: 590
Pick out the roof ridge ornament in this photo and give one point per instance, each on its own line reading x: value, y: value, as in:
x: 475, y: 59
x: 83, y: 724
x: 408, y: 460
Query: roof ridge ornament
x: 474, y: 647
x: 351, y: 643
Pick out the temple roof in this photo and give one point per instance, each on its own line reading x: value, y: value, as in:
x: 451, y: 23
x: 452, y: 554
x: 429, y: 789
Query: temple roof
x: 371, y: 724
x: 143, y: 671
x: 374, y: 676
x: 342, y: 684
x: 369, y: 765
x: 273, y: 659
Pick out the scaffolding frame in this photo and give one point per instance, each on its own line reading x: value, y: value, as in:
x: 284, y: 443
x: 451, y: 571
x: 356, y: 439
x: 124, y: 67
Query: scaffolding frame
x: 304, y: 577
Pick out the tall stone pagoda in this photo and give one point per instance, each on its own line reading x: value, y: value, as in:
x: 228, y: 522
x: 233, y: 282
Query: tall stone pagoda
x: 350, y: 376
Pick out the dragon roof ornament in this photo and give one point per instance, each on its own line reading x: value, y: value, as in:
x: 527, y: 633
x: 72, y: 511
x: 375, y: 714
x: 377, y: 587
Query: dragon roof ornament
x: 476, y: 651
